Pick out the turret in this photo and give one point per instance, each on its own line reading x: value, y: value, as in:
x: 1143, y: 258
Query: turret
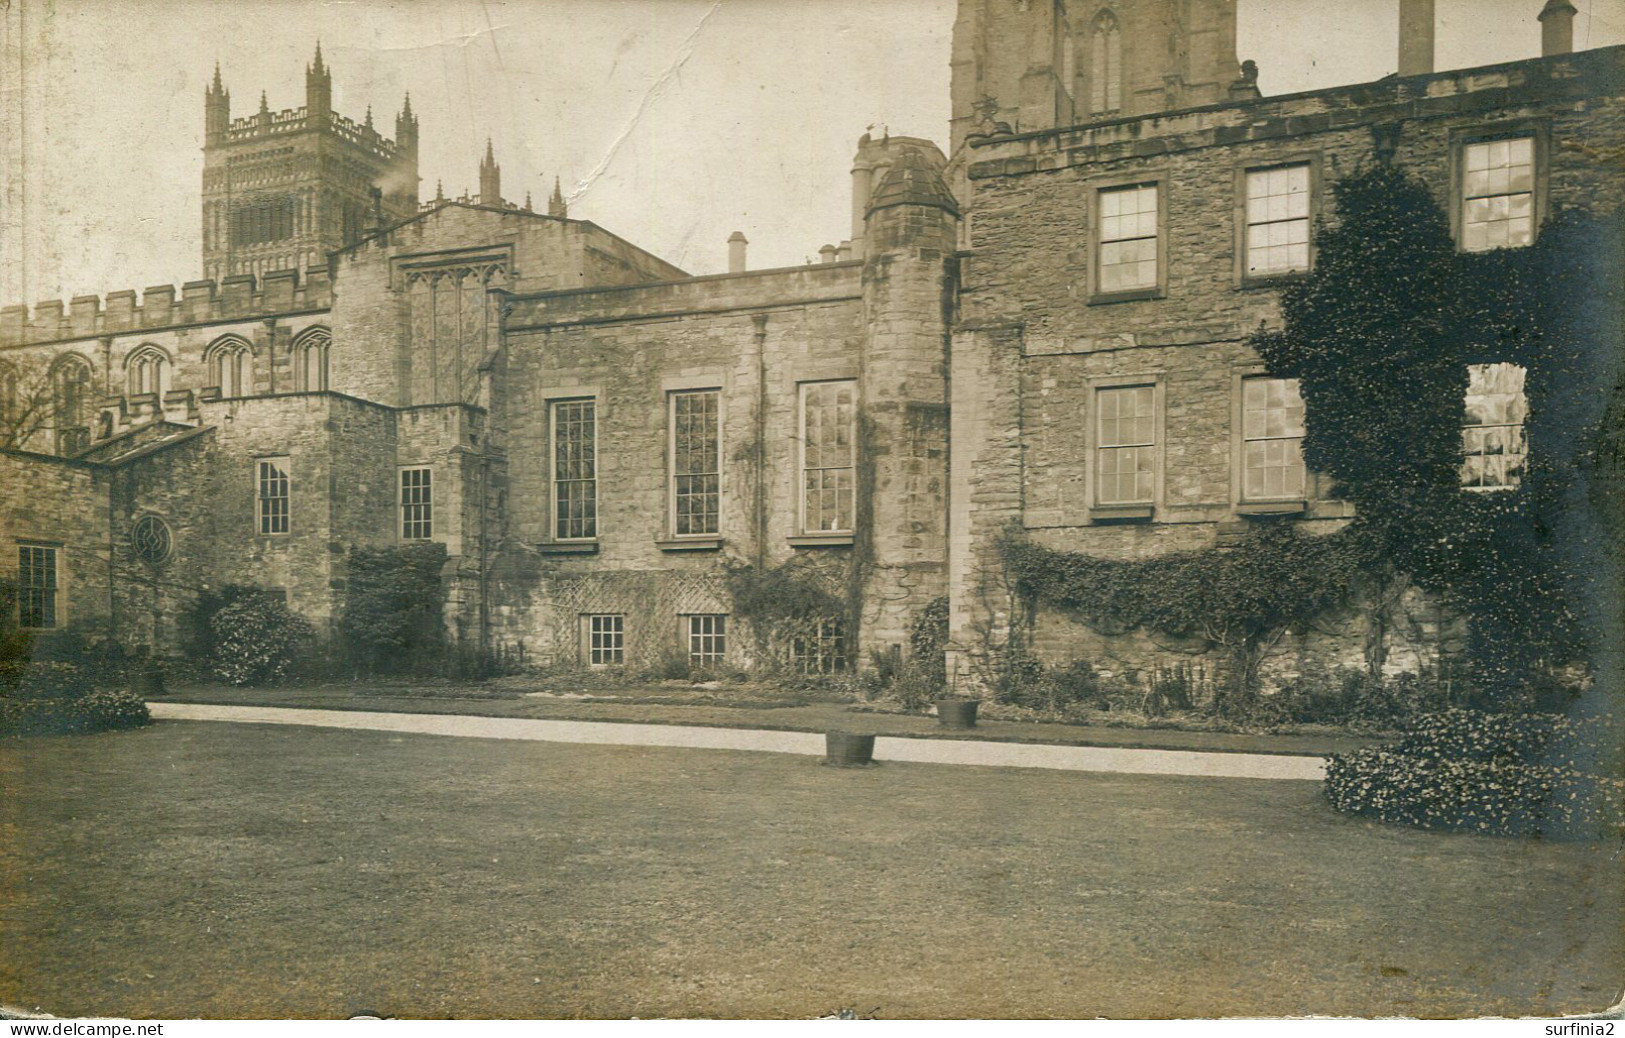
x: 555, y: 205
x: 216, y: 110
x: 318, y: 88
x: 490, y: 178
x: 909, y: 234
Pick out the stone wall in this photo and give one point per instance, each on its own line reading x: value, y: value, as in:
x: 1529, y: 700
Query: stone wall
x: 63, y: 504
x: 1033, y: 341
x: 755, y: 338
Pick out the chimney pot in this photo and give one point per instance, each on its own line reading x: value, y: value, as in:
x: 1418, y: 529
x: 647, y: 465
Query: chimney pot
x: 1557, y: 28
x: 1415, y: 37
x: 736, y: 252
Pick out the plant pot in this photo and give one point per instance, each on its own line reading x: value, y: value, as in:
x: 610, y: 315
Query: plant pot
x: 957, y: 713
x: 848, y: 749
x: 147, y: 681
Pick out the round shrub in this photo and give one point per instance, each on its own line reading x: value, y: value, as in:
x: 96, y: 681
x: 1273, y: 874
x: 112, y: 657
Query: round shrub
x: 258, y: 640
x: 53, y: 679
x: 1502, y: 774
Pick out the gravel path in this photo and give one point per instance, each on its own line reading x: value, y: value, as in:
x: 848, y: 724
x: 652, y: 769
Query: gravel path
x: 924, y: 751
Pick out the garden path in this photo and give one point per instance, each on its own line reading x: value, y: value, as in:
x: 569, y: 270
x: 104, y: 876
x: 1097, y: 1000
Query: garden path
x: 1117, y: 760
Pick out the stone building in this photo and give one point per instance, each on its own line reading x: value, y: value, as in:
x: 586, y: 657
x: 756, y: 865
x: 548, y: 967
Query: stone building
x: 599, y: 438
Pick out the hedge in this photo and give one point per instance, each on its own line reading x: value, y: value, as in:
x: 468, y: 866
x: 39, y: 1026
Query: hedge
x: 1501, y: 774
x: 97, y: 711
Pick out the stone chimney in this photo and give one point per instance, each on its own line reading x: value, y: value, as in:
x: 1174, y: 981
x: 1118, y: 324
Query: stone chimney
x: 736, y: 252
x: 1557, y: 28
x: 1415, y: 37
x: 827, y: 254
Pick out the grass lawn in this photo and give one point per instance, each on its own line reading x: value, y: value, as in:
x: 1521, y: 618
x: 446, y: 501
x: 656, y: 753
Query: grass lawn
x: 220, y: 870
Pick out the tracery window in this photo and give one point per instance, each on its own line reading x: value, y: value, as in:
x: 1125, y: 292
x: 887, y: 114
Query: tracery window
x: 310, y: 359
x: 1105, y: 65
x: 148, y: 371
x: 232, y: 366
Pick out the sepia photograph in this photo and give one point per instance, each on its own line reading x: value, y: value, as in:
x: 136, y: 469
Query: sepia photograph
x: 812, y: 510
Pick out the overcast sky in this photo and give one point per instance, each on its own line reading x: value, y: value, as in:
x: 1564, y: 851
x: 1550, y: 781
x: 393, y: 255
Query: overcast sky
x: 671, y: 122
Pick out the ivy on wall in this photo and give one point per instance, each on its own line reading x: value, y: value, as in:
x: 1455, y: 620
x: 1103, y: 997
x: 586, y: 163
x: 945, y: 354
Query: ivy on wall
x: 1240, y: 600
x: 1380, y: 337
x: 393, y: 605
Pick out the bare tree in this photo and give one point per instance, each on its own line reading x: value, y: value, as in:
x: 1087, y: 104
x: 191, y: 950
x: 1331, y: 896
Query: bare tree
x: 29, y: 403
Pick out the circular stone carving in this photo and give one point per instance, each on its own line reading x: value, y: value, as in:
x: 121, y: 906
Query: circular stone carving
x: 150, y: 539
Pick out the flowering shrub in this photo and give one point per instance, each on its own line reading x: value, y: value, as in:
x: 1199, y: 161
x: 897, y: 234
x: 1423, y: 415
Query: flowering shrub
x: 52, y: 679
x: 258, y: 640
x: 1504, y: 774
x: 95, y: 711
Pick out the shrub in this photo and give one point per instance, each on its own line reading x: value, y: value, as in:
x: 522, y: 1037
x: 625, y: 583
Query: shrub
x: 917, y: 685
x: 928, y: 638
x: 258, y: 640
x: 393, y: 608
x: 54, y: 679
x: 672, y: 665
x: 1503, y: 774
x: 94, y: 711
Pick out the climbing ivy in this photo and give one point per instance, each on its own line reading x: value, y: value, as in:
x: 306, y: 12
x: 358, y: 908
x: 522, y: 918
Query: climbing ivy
x: 1240, y: 600
x: 1380, y: 337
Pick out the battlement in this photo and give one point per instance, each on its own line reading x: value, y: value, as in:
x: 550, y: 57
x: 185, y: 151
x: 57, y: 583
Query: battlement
x: 198, y: 302
x: 297, y: 120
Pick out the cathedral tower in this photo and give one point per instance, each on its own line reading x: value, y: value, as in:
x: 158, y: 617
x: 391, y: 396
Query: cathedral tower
x: 283, y: 189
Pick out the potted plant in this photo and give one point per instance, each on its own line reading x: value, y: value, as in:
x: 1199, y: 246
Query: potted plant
x: 954, y: 711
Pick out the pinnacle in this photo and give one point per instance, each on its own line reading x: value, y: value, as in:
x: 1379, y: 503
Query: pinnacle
x: 318, y: 65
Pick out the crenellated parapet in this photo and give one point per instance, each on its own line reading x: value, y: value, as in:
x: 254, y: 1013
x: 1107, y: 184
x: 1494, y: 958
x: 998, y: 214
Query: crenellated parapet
x: 162, y: 306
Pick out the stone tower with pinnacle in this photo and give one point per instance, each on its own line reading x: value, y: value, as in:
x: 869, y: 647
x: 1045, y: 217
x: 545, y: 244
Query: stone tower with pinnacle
x: 282, y: 189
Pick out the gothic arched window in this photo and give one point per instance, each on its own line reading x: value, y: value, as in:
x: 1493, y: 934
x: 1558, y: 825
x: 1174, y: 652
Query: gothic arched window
x: 310, y: 360
x: 231, y: 363
x: 1105, y: 65
x: 148, y: 371
x: 70, y: 384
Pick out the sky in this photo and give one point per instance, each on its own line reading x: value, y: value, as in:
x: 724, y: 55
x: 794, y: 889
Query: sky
x: 670, y: 122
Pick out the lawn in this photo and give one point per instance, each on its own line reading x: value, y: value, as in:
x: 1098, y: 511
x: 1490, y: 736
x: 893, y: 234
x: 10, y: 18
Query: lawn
x: 195, y: 869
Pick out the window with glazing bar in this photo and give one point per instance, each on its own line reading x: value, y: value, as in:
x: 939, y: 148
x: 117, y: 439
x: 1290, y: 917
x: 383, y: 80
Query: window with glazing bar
x: 1498, y: 194
x: 575, y: 470
x: 707, y: 638
x: 36, y: 572
x: 1272, y: 439
x: 417, y: 504
x: 1125, y: 446
x: 1493, y: 444
x: 1277, y: 220
x: 273, y: 495
x: 696, y: 466
x: 606, y: 645
x: 828, y: 456
x: 1128, y: 238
